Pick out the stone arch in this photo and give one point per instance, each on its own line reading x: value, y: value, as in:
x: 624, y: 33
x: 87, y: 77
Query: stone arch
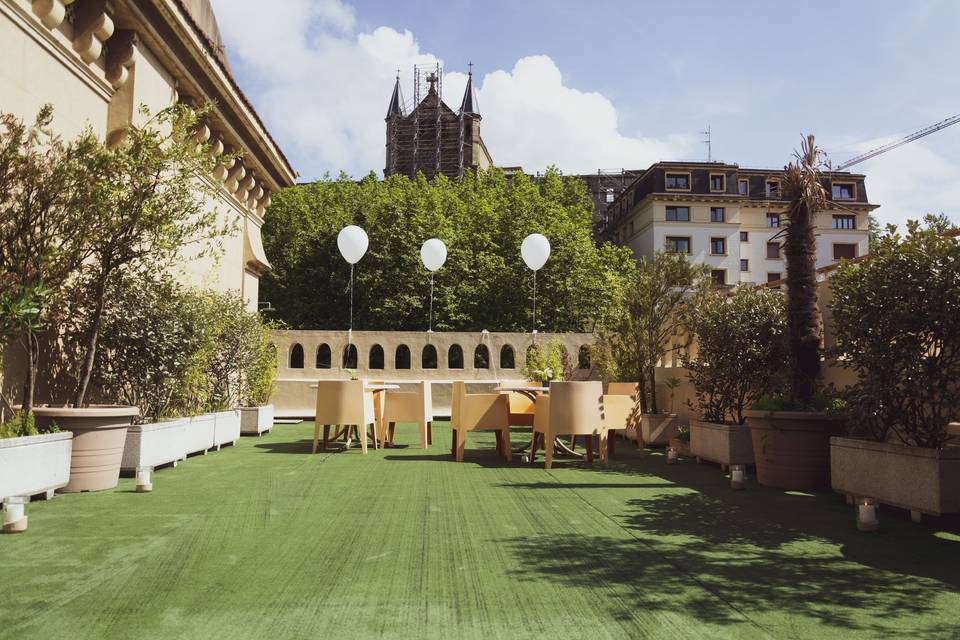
x: 428, y: 357
x: 401, y: 359
x: 323, y: 356
x: 455, y: 357
x: 481, y: 357
x: 377, y: 359
x: 296, y: 356
x: 351, y: 359
x: 507, y: 358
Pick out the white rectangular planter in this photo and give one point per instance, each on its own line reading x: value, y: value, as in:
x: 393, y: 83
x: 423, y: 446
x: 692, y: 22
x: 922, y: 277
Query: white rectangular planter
x: 199, y: 433
x: 919, y: 479
x: 227, y: 429
x: 256, y: 420
x: 34, y: 464
x: 725, y: 444
x: 155, y: 444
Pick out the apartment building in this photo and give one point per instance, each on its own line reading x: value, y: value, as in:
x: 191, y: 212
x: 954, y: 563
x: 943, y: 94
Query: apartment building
x: 732, y: 219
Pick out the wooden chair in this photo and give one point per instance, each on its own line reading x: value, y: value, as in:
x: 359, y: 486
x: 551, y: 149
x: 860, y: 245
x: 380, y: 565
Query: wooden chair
x: 479, y: 412
x: 406, y: 406
x: 343, y: 403
x: 522, y: 407
x: 631, y: 419
x: 572, y: 408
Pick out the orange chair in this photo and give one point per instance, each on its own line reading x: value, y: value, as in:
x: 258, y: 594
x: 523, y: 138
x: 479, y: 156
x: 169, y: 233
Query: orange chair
x: 572, y: 408
x: 343, y: 403
x: 406, y: 406
x: 522, y: 407
x: 631, y: 419
x: 479, y: 412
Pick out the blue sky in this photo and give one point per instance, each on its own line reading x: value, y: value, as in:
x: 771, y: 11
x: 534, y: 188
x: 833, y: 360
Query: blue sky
x: 620, y: 84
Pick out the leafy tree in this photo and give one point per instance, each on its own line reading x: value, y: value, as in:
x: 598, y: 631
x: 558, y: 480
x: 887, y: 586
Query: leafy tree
x: 897, y: 324
x: 741, y: 348
x: 484, y: 283
x: 803, y: 189
x: 939, y: 223
x: 661, y: 292
x: 151, y: 205
x: 48, y: 208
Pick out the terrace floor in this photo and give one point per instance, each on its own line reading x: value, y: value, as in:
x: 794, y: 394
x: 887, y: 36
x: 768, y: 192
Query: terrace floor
x: 267, y: 541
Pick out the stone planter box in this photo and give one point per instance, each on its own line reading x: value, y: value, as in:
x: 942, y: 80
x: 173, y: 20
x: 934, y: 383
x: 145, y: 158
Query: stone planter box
x: 199, y: 434
x: 28, y: 466
x: 725, y: 444
x: 155, y: 444
x: 919, y: 479
x: 226, y: 428
x: 256, y: 420
x: 791, y: 449
x: 658, y: 428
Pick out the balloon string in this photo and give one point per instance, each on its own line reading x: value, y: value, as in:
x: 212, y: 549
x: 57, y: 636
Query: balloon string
x: 430, y: 321
x: 534, y: 302
x: 351, y: 299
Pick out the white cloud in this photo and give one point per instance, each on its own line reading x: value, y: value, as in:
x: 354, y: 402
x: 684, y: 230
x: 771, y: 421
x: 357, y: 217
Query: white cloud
x: 323, y: 88
x: 911, y: 181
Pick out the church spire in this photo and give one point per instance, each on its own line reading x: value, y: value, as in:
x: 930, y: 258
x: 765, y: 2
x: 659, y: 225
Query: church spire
x: 396, y: 103
x: 469, y: 104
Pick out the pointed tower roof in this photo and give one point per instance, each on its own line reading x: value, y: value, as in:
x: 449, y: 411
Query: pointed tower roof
x: 396, y: 103
x: 469, y: 104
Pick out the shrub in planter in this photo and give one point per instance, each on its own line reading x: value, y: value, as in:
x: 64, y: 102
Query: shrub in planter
x: 741, y: 346
x: 897, y: 318
x: 546, y: 363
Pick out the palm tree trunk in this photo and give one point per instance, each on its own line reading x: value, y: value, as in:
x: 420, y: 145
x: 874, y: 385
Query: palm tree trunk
x: 803, y: 313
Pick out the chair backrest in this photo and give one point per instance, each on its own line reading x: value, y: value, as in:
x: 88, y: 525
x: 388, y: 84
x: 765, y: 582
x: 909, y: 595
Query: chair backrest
x: 624, y: 389
x: 413, y: 405
x: 478, y: 410
x: 576, y: 407
x: 341, y: 402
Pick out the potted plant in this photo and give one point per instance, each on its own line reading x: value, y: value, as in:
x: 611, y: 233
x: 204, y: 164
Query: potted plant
x: 896, y: 319
x: 741, y: 345
x: 662, y: 291
x: 791, y: 431
x: 256, y: 414
x: 546, y: 363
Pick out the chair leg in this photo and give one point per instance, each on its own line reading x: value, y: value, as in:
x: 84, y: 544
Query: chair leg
x: 605, y: 440
x: 461, y: 443
x: 589, y: 440
x: 548, y: 439
x: 393, y: 429
x: 346, y: 430
x: 499, y: 436
x: 383, y: 435
x: 372, y: 433
x: 423, y: 434
x: 453, y: 442
x: 505, y: 444
x: 573, y: 442
x: 316, y: 437
x: 362, y: 436
x: 534, y: 446
x: 326, y: 436
x: 611, y: 443
x: 429, y: 432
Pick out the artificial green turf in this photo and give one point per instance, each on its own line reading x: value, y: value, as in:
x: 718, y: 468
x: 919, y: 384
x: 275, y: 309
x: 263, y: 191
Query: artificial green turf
x: 265, y: 540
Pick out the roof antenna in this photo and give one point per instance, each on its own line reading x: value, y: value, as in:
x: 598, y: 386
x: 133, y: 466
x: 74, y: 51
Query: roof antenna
x: 707, y: 142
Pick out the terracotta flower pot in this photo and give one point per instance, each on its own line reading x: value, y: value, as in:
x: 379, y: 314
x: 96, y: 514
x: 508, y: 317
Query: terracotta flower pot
x: 792, y: 448
x: 99, y: 434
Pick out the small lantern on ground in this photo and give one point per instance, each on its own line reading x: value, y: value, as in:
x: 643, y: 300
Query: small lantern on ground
x: 144, y: 483
x: 14, y: 516
x: 867, y: 515
x: 671, y: 455
x: 738, y: 476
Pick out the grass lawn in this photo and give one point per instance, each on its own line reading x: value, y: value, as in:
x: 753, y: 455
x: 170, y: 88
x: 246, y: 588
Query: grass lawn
x: 267, y: 541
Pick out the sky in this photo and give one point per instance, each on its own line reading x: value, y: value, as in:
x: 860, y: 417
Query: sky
x: 609, y: 84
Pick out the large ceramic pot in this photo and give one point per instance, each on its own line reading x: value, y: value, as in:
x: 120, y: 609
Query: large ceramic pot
x: 658, y: 428
x: 792, y: 448
x: 725, y: 444
x: 99, y: 434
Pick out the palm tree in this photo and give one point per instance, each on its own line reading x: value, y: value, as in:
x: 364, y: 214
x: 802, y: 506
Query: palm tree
x: 803, y: 188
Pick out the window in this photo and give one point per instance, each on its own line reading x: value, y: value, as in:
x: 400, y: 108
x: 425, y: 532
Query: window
x: 350, y: 357
x: 323, y: 356
x: 772, y: 188
x: 296, y: 357
x: 718, y: 182
x: 428, y: 357
x: 844, y: 222
x: 744, y: 265
x: 773, y: 251
x: 678, y: 214
x: 678, y: 181
x: 718, y: 214
x: 773, y: 220
x: 376, y: 357
x: 773, y: 276
x: 583, y: 357
x: 844, y: 191
x: 678, y: 244
x: 719, y: 277
x: 743, y: 187
x: 718, y: 246
x: 481, y: 357
x: 506, y: 357
x: 844, y: 251
x: 610, y: 197
x: 455, y: 357
x: 744, y: 236
x: 401, y: 358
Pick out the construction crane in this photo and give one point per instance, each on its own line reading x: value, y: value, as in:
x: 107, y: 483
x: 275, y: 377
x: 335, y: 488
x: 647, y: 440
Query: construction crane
x: 916, y: 135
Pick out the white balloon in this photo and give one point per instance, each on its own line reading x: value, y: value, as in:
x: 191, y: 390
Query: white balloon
x: 535, y: 249
x: 352, y: 242
x: 433, y: 253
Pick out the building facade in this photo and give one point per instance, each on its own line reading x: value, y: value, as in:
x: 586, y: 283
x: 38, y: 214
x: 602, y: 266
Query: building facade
x: 97, y: 62
x: 433, y: 139
x: 732, y: 219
